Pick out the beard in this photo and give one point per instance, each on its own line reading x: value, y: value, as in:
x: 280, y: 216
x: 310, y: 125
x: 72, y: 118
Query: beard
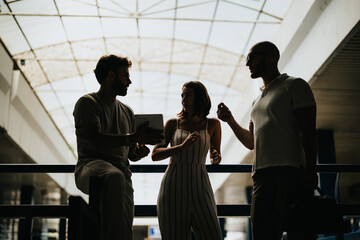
x: 259, y: 70
x: 255, y: 75
x: 119, y: 88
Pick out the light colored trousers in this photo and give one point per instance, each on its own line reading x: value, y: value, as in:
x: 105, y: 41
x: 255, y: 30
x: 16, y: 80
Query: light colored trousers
x: 186, y: 201
x: 116, y: 198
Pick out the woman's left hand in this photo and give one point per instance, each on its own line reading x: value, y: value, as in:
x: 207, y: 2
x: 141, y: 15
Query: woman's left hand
x: 215, y: 157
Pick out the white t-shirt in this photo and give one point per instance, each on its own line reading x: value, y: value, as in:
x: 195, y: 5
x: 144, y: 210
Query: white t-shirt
x: 276, y: 133
x: 114, y: 118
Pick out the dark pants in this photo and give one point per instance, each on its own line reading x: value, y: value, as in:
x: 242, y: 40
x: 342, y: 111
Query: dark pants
x: 275, y: 189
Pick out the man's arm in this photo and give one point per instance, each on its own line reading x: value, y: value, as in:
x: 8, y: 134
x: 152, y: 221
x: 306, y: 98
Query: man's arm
x: 142, y: 136
x: 137, y: 152
x: 87, y: 123
x: 306, y: 119
x: 246, y: 137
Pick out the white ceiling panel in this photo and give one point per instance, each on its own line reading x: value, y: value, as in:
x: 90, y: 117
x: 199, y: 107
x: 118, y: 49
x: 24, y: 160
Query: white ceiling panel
x: 73, y: 84
x: 251, y: 4
x: 192, y: 31
x: 49, y: 100
x: 200, y: 11
x: 155, y: 50
x: 124, y: 47
x: 9, y: 31
x: 234, y: 12
x: 89, y: 50
x: 156, y: 28
x: 262, y: 32
x: 61, y: 120
x: 82, y: 28
x: 71, y: 7
x: 230, y: 36
x: 187, y: 70
x: 86, y: 67
x: 42, y: 31
x: 34, y: 6
x: 277, y: 8
x: 157, y: 9
x: 57, y: 70
x: 115, y: 27
x: 59, y: 51
x: 187, y: 52
x: 216, y: 73
x: 220, y: 57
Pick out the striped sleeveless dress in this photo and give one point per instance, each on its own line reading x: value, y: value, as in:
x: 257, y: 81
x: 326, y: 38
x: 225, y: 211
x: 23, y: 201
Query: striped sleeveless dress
x: 186, y: 199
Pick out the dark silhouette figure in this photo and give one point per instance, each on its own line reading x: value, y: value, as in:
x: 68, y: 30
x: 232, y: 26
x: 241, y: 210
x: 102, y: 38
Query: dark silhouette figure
x: 106, y: 141
x: 186, y: 199
x: 282, y: 132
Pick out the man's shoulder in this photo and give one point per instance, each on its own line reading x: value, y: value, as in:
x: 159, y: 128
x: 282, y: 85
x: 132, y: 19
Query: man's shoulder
x: 171, y: 123
x: 85, y: 100
x: 87, y: 97
x: 295, y: 82
x: 291, y: 79
x: 124, y: 106
x: 85, y: 104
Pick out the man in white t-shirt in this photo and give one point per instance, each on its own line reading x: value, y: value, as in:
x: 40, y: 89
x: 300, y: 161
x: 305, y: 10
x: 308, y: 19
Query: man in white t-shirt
x: 106, y: 140
x: 282, y: 132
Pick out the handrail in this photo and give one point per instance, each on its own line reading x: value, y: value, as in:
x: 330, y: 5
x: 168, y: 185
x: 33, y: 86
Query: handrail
x: 63, y: 210
x: 158, y: 168
x: 30, y: 211
x: 56, y: 211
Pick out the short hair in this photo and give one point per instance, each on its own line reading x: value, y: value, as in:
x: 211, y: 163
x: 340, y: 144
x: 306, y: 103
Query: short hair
x: 109, y: 63
x: 202, y: 102
x: 268, y: 47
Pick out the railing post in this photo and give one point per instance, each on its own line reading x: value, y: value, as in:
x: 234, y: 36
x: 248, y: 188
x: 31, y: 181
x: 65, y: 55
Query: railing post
x: 95, y: 183
x: 327, y: 155
x: 248, y: 191
x: 74, y: 219
x: 222, y: 222
x: 25, y: 225
x: 62, y: 224
x: 82, y: 224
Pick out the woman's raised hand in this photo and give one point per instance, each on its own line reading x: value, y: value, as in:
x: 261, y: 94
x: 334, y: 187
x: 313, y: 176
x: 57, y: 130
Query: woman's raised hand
x: 193, y: 137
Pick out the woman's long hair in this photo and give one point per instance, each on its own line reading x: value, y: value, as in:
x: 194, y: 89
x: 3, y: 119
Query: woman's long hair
x: 202, y: 102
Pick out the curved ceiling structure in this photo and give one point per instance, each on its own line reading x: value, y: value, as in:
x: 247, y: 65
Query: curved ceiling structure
x: 172, y: 56
x: 57, y: 44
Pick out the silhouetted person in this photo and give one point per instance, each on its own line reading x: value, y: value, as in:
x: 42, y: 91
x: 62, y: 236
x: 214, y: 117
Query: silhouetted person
x: 282, y: 132
x: 106, y: 139
x: 186, y: 199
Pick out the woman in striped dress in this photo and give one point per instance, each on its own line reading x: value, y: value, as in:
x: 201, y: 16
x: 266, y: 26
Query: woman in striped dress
x: 186, y: 200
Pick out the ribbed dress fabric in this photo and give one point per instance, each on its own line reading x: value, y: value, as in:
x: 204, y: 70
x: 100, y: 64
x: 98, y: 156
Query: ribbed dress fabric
x: 186, y: 199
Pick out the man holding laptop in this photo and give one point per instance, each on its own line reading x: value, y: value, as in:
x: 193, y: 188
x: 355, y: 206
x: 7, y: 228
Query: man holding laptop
x: 106, y: 140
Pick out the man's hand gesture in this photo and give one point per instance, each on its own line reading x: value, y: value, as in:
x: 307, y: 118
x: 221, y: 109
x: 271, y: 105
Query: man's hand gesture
x: 224, y: 113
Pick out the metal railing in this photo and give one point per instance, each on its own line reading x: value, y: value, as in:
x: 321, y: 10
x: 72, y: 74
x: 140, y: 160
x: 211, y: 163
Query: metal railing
x: 158, y: 168
x: 223, y: 210
x: 68, y: 211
